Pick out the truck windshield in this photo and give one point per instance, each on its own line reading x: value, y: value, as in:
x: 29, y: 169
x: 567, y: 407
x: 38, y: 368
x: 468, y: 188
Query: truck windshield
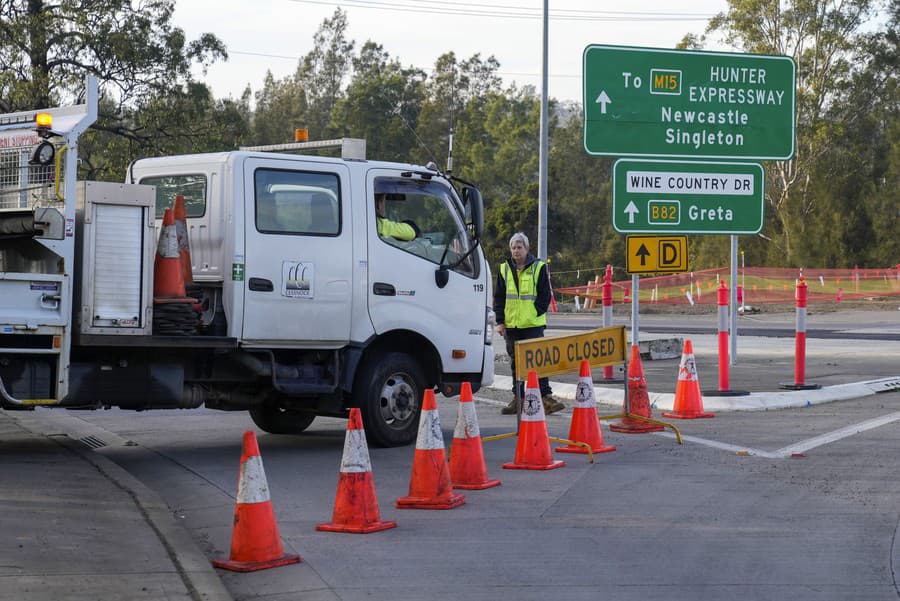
x: 433, y: 209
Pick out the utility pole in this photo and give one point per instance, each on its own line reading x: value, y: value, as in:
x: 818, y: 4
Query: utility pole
x: 544, y: 134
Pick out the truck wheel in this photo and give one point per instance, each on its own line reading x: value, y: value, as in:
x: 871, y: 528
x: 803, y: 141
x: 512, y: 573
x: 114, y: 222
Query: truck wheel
x: 275, y: 419
x: 389, y: 394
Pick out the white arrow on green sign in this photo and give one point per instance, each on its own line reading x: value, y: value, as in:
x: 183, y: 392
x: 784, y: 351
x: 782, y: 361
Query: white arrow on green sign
x: 653, y: 102
x: 687, y: 197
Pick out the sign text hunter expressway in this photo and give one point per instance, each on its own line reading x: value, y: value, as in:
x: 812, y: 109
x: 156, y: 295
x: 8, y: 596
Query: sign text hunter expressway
x: 648, y: 102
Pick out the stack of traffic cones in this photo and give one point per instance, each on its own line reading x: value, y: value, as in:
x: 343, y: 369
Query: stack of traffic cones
x: 356, y: 506
x: 168, y: 276
x: 638, y: 400
x: 467, y: 467
x: 688, y: 399
x: 173, y: 311
x: 585, y: 425
x: 255, y: 542
x: 184, y: 245
x: 533, y: 447
x: 429, y: 483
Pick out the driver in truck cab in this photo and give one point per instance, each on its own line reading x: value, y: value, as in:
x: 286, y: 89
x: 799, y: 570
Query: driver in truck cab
x: 399, y: 230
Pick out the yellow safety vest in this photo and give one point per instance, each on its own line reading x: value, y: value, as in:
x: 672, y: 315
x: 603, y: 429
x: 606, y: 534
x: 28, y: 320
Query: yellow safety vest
x: 392, y: 229
x: 519, y: 310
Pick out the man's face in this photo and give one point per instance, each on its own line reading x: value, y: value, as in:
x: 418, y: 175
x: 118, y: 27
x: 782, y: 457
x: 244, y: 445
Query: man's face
x: 518, y: 251
x: 379, y: 205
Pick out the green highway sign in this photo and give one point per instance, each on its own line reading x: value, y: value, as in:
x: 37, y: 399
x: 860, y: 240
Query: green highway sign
x: 653, y: 102
x: 693, y: 197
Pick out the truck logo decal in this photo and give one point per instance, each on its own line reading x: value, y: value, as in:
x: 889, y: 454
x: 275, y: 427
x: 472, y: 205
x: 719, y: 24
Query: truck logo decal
x: 297, y: 279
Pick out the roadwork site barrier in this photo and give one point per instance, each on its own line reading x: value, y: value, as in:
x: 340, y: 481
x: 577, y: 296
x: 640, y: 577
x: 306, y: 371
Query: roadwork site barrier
x: 758, y: 285
x: 556, y: 355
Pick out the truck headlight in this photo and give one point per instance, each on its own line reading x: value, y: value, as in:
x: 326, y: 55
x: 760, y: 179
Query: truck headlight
x: 489, y: 322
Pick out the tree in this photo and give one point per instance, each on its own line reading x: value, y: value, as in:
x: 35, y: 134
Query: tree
x: 381, y: 104
x: 820, y: 35
x: 47, y: 47
x: 322, y: 72
x: 456, y: 95
x: 280, y: 108
x: 580, y: 237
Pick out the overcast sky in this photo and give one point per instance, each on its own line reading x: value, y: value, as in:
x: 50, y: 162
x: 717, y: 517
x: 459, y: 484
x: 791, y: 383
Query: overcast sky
x: 273, y: 35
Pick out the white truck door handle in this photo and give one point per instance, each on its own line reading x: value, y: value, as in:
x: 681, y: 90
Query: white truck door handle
x: 50, y: 301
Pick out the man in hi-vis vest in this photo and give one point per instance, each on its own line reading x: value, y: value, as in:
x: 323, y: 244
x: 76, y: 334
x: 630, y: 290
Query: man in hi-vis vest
x: 521, y: 299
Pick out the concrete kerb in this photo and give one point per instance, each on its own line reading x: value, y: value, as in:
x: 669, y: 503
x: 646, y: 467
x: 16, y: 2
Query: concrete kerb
x: 192, y: 565
x: 755, y: 401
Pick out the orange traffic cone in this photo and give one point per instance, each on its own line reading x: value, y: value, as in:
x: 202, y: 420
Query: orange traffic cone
x: 184, y: 245
x: 467, y: 468
x: 585, y: 426
x: 168, y: 278
x: 533, y: 446
x: 356, y: 506
x: 638, y: 399
x: 255, y: 542
x: 688, y: 398
x: 429, y: 484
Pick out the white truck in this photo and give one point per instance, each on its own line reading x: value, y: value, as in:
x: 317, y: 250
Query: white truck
x: 302, y: 308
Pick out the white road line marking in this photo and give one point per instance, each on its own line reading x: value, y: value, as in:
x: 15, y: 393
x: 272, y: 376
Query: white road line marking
x: 724, y: 446
x: 836, y: 435
x: 799, y: 447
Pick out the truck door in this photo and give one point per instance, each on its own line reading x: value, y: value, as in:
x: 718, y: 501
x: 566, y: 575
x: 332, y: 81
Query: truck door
x: 298, y: 253
x: 403, y: 293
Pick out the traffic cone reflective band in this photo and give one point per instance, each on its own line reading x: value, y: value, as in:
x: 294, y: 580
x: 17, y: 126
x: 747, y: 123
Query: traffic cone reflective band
x: 429, y: 483
x: 638, y: 399
x: 533, y: 446
x: 168, y: 279
x: 255, y: 542
x: 356, y: 506
x: 585, y: 425
x: 184, y: 245
x: 688, y: 402
x: 467, y: 468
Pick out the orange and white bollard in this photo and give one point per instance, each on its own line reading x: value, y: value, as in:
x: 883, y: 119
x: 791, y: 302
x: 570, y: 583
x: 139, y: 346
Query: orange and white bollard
x: 724, y: 388
x: 800, y: 344
x: 608, y: 377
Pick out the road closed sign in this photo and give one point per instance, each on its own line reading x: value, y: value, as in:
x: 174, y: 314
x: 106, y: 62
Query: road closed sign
x: 554, y: 355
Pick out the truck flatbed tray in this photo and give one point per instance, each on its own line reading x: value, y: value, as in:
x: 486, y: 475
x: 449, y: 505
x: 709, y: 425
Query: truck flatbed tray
x: 222, y: 342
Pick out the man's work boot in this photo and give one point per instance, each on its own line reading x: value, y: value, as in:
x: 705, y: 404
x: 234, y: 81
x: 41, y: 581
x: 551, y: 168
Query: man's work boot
x: 511, y: 408
x: 551, y: 405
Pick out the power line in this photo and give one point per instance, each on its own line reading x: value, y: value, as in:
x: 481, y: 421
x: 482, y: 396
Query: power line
x: 297, y: 58
x: 510, y: 12
x: 580, y: 11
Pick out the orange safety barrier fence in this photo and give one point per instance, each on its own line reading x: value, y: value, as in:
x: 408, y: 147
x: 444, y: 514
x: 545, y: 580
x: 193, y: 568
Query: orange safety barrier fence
x: 758, y: 285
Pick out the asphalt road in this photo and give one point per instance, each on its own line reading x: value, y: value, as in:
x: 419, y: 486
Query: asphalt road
x: 652, y: 520
x: 796, y: 503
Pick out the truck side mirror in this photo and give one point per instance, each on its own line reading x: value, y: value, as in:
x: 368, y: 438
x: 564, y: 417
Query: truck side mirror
x: 474, y: 205
x: 442, y: 276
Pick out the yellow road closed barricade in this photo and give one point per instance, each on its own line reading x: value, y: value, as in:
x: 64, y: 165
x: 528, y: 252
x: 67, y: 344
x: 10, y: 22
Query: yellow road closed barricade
x: 562, y: 354
x: 554, y: 355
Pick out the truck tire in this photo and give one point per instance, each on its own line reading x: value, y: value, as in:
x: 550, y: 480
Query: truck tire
x: 389, y: 392
x: 273, y: 418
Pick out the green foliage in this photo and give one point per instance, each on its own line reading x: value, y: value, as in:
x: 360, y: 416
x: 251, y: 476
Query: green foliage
x: 833, y: 205
x: 821, y: 36
x: 47, y: 47
x: 381, y: 105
